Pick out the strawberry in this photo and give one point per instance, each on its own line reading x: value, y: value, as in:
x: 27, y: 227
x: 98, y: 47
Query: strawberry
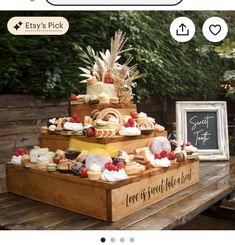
x: 73, y: 97
x: 83, y: 172
x: 131, y: 122
x: 114, y: 168
x: 110, y: 167
x: 107, y: 164
x: 120, y: 165
x: 90, y: 132
x: 163, y: 154
x: 188, y: 143
x: 127, y: 125
x: 57, y: 159
x: 171, y: 155
x: 21, y: 152
x: 134, y: 115
x: 157, y: 156
x: 105, y: 119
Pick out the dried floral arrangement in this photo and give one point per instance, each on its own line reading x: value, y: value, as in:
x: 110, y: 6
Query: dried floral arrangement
x: 104, y: 66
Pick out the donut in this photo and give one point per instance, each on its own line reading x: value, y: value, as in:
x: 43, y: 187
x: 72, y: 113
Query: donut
x: 159, y: 144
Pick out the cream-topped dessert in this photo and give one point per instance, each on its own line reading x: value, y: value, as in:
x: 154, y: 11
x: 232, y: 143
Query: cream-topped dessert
x: 73, y: 126
x: 163, y: 163
x: 130, y: 131
x: 114, y: 175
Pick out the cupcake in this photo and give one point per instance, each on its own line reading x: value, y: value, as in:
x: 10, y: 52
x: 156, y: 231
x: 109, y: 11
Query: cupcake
x: 142, y: 117
x: 93, y: 176
x: 104, y: 98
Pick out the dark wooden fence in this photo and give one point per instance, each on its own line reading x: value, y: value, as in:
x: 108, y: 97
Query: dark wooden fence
x: 20, y: 120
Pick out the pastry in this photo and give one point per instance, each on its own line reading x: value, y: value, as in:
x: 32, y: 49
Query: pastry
x: 42, y: 162
x: 110, y: 113
x: 93, y: 100
x: 81, y: 99
x: 104, y: 133
x: 141, y: 117
x: 76, y: 168
x: 190, y: 149
x: 145, y: 125
x: 93, y: 176
x: 64, y: 165
x: 87, y: 98
x: 25, y: 161
x: 82, y: 156
x: 44, y: 130
x: 113, y: 123
x: 159, y: 144
x: 134, y: 168
x: 71, y: 154
x: 180, y: 156
x: 104, y: 98
x: 114, y: 100
x: 159, y: 128
x: 144, y: 156
x: 94, y: 114
x: 52, y: 128
x: 51, y: 167
x: 88, y: 120
x: 100, y: 124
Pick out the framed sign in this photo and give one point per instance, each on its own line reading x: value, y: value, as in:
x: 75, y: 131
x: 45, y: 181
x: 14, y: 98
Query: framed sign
x: 204, y: 124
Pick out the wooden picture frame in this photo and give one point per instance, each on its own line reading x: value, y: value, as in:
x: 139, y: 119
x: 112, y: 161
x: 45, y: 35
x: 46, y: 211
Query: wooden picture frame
x: 205, y: 125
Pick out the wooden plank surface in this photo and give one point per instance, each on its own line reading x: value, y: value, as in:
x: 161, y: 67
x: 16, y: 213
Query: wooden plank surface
x: 216, y: 181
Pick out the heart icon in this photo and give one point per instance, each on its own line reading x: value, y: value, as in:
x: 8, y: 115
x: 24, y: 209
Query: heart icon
x: 215, y: 29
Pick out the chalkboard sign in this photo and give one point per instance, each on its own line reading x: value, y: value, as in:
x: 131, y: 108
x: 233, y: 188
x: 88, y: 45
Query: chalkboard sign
x: 204, y: 124
x: 202, y: 129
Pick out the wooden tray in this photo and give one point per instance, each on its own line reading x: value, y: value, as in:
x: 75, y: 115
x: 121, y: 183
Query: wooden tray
x: 108, y: 201
x: 125, y: 143
x: 83, y: 110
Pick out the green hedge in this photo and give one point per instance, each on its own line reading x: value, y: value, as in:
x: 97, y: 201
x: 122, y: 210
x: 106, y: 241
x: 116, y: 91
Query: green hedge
x: 48, y: 65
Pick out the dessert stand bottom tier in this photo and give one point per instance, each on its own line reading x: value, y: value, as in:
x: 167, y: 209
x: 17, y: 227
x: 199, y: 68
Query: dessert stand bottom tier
x: 109, y: 201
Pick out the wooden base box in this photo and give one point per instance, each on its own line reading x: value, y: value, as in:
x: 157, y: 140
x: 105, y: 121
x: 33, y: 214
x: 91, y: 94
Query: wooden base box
x: 108, y: 201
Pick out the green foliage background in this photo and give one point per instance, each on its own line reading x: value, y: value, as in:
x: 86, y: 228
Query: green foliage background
x: 48, y: 65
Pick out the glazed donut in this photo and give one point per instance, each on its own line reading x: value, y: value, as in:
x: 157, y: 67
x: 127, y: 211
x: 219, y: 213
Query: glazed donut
x: 159, y: 144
